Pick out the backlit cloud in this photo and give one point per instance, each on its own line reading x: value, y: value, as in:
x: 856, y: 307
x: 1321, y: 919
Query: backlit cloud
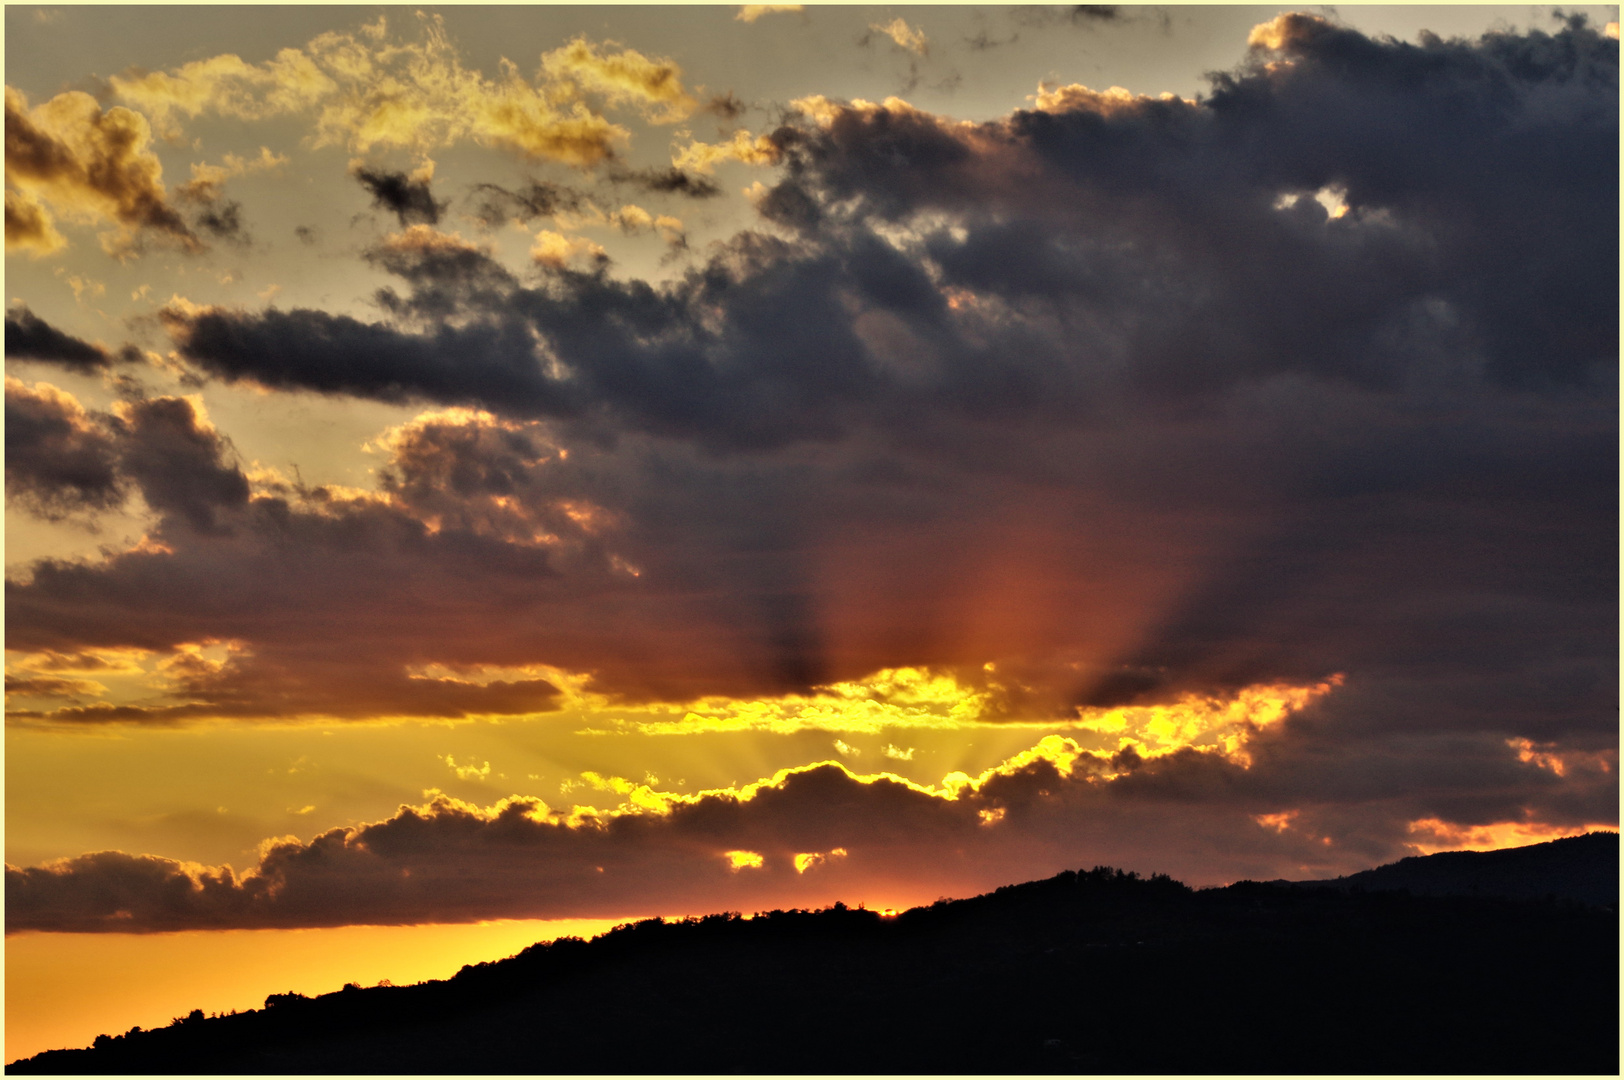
x: 796, y: 839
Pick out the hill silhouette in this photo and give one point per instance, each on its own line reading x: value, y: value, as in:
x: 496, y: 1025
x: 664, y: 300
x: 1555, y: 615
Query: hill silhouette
x: 1090, y: 971
x: 1583, y: 868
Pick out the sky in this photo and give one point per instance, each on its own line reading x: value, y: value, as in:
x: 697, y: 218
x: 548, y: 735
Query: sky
x: 475, y: 474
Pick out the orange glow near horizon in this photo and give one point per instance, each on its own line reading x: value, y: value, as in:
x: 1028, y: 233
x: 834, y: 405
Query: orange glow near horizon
x: 62, y: 990
x: 1433, y: 835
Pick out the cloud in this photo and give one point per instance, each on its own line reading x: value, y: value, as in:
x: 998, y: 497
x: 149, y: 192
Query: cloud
x: 745, y: 147
x: 537, y: 199
x: 69, y: 158
x: 29, y: 337
x: 668, y: 181
x: 181, y: 463
x: 468, y: 771
x: 1110, y: 393
x: 751, y: 12
x: 803, y: 837
x: 29, y: 225
x: 462, y: 496
x: 59, y: 459
x: 206, y: 181
x: 407, y: 197
x: 906, y: 37
x: 364, y: 91
x: 559, y: 252
x: 626, y: 77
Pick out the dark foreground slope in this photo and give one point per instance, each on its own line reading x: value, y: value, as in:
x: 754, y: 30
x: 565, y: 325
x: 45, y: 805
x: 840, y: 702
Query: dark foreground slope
x: 1581, y: 868
x: 1093, y: 971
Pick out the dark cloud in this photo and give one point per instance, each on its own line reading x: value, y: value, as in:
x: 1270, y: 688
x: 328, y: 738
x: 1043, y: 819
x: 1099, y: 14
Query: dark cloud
x: 451, y: 862
x: 983, y: 41
x: 223, y: 220
x: 725, y: 107
x: 1087, y: 15
x: 29, y: 337
x: 409, y: 199
x: 668, y: 181
x: 305, y: 233
x: 59, y: 458
x: 535, y: 200
x: 336, y: 354
x: 180, y: 463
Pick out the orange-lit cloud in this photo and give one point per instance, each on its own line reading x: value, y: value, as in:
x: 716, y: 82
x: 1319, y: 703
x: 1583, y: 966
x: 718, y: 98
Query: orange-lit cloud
x: 1115, y: 101
x: 1282, y: 30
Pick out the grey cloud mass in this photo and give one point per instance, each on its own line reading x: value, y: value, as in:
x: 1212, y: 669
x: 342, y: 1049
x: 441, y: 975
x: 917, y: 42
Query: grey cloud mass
x: 29, y: 337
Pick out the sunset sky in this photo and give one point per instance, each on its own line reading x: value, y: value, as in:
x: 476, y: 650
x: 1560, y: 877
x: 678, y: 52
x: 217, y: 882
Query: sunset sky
x: 470, y: 468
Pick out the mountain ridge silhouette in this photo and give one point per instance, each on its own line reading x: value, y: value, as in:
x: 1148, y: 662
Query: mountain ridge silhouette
x: 1087, y: 971
x: 1583, y: 868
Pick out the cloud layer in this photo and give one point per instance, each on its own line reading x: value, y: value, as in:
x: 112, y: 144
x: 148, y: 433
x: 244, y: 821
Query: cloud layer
x: 1114, y: 401
x: 803, y: 837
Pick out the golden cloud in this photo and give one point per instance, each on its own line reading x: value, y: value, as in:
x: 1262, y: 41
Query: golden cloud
x: 912, y: 697
x: 557, y: 250
x: 751, y: 12
x: 745, y: 147
x: 624, y: 78
x: 807, y: 860
x: 363, y: 90
x: 68, y: 158
x: 29, y: 226
x: 204, y: 186
x: 905, y: 36
x: 1110, y: 102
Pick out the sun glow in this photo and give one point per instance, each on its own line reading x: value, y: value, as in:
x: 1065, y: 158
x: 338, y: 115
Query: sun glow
x: 916, y: 697
x: 1432, y: 835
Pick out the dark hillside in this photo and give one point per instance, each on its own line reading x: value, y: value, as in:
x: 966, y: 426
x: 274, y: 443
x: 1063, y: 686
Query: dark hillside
x: 1092, y: 971
x: 1583, y: 868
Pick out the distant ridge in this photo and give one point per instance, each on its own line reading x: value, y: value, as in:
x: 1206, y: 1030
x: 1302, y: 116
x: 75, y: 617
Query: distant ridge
x: 1582, y: 868
x: 1093, y: 971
